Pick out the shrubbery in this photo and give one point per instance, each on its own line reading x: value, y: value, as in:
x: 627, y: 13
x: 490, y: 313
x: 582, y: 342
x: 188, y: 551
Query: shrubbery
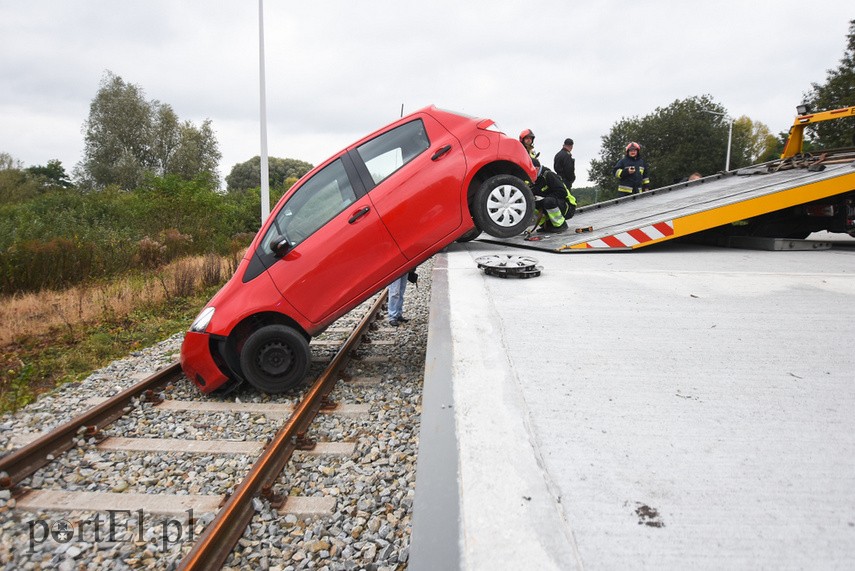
x: 63, y: 237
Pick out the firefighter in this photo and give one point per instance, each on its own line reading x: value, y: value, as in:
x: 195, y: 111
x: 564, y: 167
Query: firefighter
x: 555, y: 204
x: 564, y: 163
x: 527, y: 140
x: 632, y: 172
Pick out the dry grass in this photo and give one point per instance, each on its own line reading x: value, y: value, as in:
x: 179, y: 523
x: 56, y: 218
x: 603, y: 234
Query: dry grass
x: 39, y: 313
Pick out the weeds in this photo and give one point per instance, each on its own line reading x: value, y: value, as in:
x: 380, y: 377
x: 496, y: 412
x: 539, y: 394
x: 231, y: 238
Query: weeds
x: 56, y: 337
x: 212, y: 271
x: 39, y: 313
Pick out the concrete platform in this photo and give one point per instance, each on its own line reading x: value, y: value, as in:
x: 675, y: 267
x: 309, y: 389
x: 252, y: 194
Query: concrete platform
x: 678, y: 407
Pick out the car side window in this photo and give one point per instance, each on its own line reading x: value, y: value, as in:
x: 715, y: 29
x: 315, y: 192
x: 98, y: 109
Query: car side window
x: 388, y: 152
x: 314, y: 204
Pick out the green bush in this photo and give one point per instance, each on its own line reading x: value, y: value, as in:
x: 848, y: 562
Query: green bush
x: 63, y: 237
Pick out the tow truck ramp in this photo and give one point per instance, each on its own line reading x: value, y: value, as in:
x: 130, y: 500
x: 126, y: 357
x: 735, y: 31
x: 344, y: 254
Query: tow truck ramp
x: 683, y: 209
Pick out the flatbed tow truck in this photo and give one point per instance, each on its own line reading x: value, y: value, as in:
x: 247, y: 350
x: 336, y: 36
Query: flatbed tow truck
x: 772, y: 205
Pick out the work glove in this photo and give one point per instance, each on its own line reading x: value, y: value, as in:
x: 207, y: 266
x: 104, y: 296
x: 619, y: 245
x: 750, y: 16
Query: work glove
x: 413, y: 277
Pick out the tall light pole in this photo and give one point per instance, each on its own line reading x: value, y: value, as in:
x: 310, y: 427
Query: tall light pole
x: 729, y: 134
x: 265, y: 176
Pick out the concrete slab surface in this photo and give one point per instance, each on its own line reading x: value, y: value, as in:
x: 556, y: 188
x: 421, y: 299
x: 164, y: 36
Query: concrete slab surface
x: 678, y: 407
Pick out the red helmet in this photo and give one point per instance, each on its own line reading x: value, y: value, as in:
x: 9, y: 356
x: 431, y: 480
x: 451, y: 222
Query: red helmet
x: 633, y: 145
x: 526, y: 133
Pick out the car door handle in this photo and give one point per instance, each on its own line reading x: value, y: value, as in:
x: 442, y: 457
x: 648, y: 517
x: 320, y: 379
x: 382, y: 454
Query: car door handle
x: 359, y: 214
x: 437, y: 155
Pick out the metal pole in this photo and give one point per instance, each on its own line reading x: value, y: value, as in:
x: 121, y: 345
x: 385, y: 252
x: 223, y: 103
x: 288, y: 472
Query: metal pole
x: 264, y: 174
x: 729, y: 139
x: 729, y: 134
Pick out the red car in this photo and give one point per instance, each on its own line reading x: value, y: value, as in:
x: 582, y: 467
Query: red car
x: 348, y: 228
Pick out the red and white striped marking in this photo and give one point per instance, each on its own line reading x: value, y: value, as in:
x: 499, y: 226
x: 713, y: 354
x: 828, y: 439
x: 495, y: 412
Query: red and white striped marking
x: 635, y: 237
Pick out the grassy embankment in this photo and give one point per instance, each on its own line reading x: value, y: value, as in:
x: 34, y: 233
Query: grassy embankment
x: 53, y: 337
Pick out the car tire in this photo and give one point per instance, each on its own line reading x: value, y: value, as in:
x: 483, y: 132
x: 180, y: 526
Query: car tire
x: 471, y: 235
x: 502, y: 206
x: 275, y: 358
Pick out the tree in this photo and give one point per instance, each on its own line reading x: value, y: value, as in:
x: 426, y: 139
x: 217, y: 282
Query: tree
x: 8, y: 162
x: 247, y: 175
x: 127, y: 137
x: 760, y: 144
x: 196, y: 152
x: 686, y: 136
x: 18, y: 183
x: 837, y: 91
x: 15, y: 185
x: 52, y: 175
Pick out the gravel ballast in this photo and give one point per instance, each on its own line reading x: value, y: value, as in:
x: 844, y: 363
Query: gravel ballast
x: 372, y: 489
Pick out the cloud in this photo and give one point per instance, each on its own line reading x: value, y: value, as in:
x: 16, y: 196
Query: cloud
x: 336, y: 71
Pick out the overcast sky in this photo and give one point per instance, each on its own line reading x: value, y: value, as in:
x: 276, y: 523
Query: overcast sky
x: 337, y: 70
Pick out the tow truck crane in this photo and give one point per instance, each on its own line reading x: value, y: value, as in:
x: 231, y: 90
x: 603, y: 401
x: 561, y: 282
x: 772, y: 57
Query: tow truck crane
x: 796, y: 138
x: 788, y: 198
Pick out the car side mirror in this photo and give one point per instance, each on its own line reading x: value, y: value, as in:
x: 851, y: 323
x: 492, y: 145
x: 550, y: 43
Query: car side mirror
x: 281, y: 248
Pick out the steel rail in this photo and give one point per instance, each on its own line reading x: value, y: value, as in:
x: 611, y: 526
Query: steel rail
x: 24, y: 461
x: 219, y: 538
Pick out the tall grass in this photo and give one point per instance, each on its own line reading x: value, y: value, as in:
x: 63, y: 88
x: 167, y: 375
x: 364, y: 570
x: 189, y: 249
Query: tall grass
x: 66, y: 237
x: 86, y: 277
x: 33, y: 314
x: 54, y: 337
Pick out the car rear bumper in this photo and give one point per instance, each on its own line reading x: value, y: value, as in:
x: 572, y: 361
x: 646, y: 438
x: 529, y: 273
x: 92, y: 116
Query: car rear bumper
x: 198, y: 363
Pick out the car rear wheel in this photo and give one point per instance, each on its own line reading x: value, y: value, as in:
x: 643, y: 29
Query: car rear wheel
x: 503, y: 206
x: 275, y: 358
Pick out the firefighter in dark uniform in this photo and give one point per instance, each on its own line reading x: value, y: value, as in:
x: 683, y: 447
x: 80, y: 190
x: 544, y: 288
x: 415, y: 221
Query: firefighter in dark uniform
x: 565, y: 164
x: 553, y: 200
x: 632, y: 172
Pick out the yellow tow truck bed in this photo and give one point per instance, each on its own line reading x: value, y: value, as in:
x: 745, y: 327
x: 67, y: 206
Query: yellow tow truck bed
x: 683, y: 209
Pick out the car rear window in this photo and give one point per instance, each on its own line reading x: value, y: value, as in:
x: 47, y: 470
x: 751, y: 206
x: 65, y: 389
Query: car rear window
x: 388, y: 152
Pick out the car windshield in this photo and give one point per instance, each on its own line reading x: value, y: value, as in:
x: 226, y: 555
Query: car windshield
x: 390, y: 151
x: 314, y: 204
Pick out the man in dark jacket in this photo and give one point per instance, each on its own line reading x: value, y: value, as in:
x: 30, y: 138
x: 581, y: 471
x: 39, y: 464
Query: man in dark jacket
x: 565, y: 164
x: 632, y: 172
x: 554, y: 202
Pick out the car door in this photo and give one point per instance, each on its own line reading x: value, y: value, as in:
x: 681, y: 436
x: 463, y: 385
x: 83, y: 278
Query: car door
x: 338, y: 247
x: 414, y: 174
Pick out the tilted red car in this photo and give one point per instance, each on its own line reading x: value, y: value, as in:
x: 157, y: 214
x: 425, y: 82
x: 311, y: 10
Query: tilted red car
x: 348, y: 228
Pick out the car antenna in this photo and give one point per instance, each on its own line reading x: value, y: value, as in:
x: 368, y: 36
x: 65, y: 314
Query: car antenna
x: 402, y: 109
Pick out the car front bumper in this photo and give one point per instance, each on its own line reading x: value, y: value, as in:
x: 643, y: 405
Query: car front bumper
x: 198, y: 362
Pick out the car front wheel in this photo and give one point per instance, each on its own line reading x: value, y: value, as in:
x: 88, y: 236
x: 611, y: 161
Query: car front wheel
x: 471, y: 235
x: 275, y: 358
x: 502, y: 206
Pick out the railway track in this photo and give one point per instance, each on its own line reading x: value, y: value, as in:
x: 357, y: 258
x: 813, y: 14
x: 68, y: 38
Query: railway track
x: 244, y: 447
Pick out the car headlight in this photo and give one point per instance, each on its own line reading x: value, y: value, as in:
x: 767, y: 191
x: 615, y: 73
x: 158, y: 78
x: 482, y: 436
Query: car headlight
x: 202, y: 320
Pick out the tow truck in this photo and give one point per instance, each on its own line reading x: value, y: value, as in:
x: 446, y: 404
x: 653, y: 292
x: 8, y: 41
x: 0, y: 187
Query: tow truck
x: 760, y: 206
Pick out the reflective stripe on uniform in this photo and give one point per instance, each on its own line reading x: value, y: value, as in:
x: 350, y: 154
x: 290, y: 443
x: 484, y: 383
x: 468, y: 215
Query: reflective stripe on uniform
x: 555, y: 216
